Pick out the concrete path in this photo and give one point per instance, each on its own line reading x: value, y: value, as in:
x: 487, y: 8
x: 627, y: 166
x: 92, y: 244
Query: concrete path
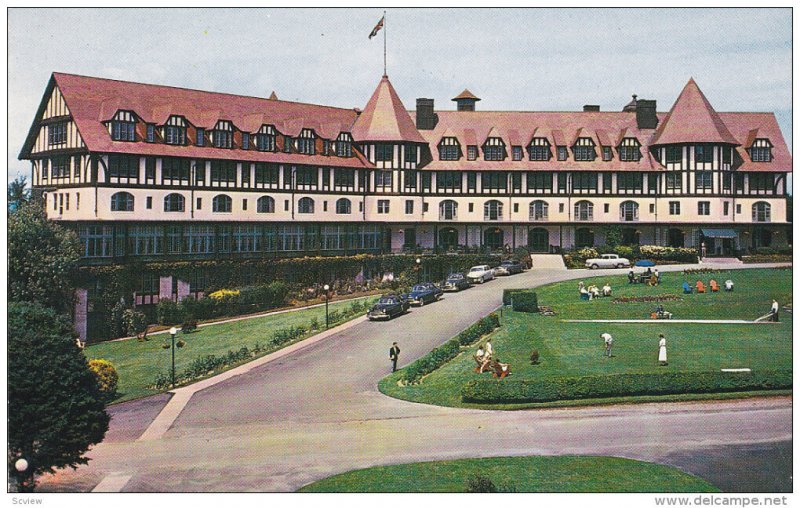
x: 548, y: 262
x: 669, y: 321
x: 316, y: 411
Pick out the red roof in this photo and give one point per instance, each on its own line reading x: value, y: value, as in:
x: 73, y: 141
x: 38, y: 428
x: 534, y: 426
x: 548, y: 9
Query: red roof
x: 765, y: 126
x: 92, y: 101
x: 466, y: 94
x: 385, y: 118
x: 692, y: 120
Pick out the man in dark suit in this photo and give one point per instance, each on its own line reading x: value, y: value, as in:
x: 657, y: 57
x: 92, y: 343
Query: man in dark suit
x: 394, y: 352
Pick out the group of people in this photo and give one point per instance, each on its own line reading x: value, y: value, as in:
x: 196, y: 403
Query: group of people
x: 660, y: 313
x: 591, y: 291
x: 608, y: 342
x: 650, y: 277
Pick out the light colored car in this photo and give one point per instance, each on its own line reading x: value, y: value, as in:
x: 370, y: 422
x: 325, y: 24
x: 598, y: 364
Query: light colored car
x: 480, y: 274
x: 608, y: 261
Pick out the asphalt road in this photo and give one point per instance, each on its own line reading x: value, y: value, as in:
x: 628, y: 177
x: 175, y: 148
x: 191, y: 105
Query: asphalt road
x: 318, y: 412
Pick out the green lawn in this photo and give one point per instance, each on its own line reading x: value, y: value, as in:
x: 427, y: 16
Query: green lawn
x: 519, y: 474
x: 138, y: 363
x: 575, y: 349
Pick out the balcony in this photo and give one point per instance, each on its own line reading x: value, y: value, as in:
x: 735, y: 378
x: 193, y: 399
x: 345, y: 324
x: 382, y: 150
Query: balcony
x: 537, y: 217
x: 448, y: 216
x: 584, y: 216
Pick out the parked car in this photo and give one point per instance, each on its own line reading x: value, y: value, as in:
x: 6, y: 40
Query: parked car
x: 388, y: 307
x: 455, y: 282
x: 509, y: 267
x: 480, y: 274
x: 424, y: 293
x: 608, y: 261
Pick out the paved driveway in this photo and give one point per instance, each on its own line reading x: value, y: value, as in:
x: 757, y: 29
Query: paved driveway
x: 317, y: 412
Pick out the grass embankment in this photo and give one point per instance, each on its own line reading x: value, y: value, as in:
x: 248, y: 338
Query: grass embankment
x: 138, y: 363
x: 575, y: 349
x: 518, y: 474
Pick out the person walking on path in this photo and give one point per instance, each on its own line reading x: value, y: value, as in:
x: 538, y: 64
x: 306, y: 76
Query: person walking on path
x: 662, y: 350
x: 394, y: 352
x: 608, y: 341
x: 774, y: 311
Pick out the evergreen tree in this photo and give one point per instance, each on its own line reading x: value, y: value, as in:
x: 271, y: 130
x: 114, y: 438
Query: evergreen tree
x: 18, y: 193
x: 55, y: 408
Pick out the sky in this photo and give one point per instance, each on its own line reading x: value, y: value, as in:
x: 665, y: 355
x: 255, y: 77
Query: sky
x: 514, y: 59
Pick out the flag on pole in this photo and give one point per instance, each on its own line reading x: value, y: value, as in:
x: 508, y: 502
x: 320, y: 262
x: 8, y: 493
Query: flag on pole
x: 377, y: 28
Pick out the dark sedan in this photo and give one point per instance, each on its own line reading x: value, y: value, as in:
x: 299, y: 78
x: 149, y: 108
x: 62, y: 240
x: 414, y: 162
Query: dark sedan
x: 388, y: 307
x: 509, y: 267
x: 424, y: 293
x: 456, y: 282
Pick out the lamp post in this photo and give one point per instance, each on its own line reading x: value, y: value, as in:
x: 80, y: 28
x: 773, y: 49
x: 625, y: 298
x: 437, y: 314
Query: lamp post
x: 326, y: 288
x: 419, y: 270
x: 173, y: 331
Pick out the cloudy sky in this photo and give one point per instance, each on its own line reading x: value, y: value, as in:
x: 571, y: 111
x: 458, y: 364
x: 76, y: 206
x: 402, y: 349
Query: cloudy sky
x: 514, y: 59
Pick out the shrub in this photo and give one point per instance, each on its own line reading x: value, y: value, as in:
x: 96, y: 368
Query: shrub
x: 168, y: 312
x: 599, y: 386
x: 189, y: 325
x: 767, y: 258
x: 478, y: 483
x: 525, y: 301
x: 107, y: 377
x: 314, y: 324
x: 224, y: 294
x: 135, y: 322
x: 508, y: 295
x: 535, y: 357
x: 116, y: 327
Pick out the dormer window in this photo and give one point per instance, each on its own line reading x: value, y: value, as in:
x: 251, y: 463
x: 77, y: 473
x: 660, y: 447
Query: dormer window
x: 584, y: 149
x: 307, y: 142
x: 562, y: 153
x: 761, y: 151
x: 123, y: 126
x: 287, y: 144
x: 608, y: 154
x: 151, y: 133
x: 223, y: 134
x: 175, y: 131
x: 629, y: 150
x: 539, y: 149
x: 344, y: 145
x: 494, y: 150
x: 516, y: 153
x: 245, y: 141
x: 472, y: 152
x: 449, y: 149
x: 265, y: 139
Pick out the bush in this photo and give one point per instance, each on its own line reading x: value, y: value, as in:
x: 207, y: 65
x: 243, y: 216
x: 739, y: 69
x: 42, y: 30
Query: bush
x: 535, y: 357
x: 518, y: 391
x: 169, y: 312
x: 189, y: 325
x: 116, y: 328
x: 508, y: 295
x: 134, y: 322
x: 107, y: 377
x: 479, y: 483
x: 767, y: 258
x: 525, y: 301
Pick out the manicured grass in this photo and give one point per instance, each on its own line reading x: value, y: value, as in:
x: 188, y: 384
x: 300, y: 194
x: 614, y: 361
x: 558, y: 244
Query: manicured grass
x: 519, y: 474
x: 575, y: 349
x: 138, y: 363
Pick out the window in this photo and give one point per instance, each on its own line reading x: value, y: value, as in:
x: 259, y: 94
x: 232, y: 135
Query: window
x: 344, y: 145
x: 606, y: 207
x: 409, y: 207
x: 494, y: 150
x: 472, y: 182
x: 59, y: 167
x: 629, y: 150
x: 223, y: 134
x: 761, y: 151
x: 761, y: 212
x: 57, y: 133
x: 266, y: 175
x: 539, y: 149
x: 562, y: 153
x: 151, y: 133
x: 245, y: 141
x: 199, y: 203
x: 629, y: 211
x: 738, y: 209
x: 608, y: 154
x: 584, y: 149
x: 448, y: 210
x: 410, y: 180
x: 145, y: 240
x: 471, y: 207
x: 383, y: 179
x: 244, y: 205
x: 726, y: 208
x: 287, y: 144
x: 305, y: 205
x: 222, y: 204
x: 538, y: 210
x: 123, y: 127
x: 702, y: 180
x: 201, y: 137
x: 149, y: 202
x: 449, y: 149
x: 703, y: 208
x: 384, y: 153
x: 122, y: 202
x: 265, y: 139
x: 199, y: 239
x: 673, y: 181
x: 175, y: 131
x: 150, y: 168
x: 494, y: 181
x: 265, y: 204
x: 627, y: 182
x: 344, y: 179
x: 703, y: 154
x: 174, y: 203
x: 343, y: 206
x: 307, y: 142
x: 96, y: 241
x: 540, y: 182
x: 493, y: 210
x: 516, y: 153
x: 516, y: 182
x: 584, y: 210
x: 583, y: 182
x: 472, y: 152
x: 306, y: 178
x: 448, y: 181
x: 174, y: 170
x: 383, y: 206
x: 674, y: 207
x: 126, y: 166
x: 674, y: 154
x: 223, y: 171
x: 410, y: 153
x: 761, y: 183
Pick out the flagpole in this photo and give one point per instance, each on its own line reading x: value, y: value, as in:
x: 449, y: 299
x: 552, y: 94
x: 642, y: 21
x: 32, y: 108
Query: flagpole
x: 384, y: 43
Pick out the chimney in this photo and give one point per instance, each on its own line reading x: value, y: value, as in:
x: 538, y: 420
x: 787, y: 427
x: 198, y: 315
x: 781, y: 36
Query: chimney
x: 646, y: 114
x: 591, y: 107
x: 426, y: 118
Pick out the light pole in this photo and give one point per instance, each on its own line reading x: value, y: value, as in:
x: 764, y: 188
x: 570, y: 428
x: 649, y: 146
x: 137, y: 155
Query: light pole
x: 326, y: 288
x: 173, y: 331
x: 419, y: 269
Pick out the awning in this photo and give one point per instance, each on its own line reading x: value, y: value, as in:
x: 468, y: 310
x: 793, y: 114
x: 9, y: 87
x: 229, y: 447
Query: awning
x: 718, y: 233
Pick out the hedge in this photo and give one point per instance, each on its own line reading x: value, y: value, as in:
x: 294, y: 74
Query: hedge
x: 517, y: 391
x: 525, y: 301
x: 767, y: 258
x: 577, y: 258
x: 449, y: 350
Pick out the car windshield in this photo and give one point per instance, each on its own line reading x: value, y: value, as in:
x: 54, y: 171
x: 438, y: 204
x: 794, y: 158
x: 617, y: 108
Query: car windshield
x: 476, y: 269
x: 456, y: 276
x: 507, y: 263
x: 387, y: 300
x: 420, y: 287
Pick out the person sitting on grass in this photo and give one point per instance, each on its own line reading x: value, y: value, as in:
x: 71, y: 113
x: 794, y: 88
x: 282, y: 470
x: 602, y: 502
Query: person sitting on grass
x: 631, y: 277
x: 500, y: 370
x: 585, y: 294
x: 728, y: 285
x: 593, y: 292
x: 607, y: 290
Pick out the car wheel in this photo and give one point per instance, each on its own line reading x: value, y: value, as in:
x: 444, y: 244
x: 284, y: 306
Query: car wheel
x: 594, y: 266
x: 620, y: 265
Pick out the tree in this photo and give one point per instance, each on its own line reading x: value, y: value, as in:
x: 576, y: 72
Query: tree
x: 42, y: 259
x: 18, y: 193
x: 614, y: 235
x: 55, y: 408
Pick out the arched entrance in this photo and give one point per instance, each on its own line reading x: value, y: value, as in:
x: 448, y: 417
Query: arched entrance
x: 675, y: 237
x: 584, y: 237
x: 630, y: 236
x: 493, y: 238
x: 538, y: 240
x: 448, y: 238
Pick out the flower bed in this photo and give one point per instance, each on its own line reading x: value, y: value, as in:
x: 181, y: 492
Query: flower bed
x: 641, y: 299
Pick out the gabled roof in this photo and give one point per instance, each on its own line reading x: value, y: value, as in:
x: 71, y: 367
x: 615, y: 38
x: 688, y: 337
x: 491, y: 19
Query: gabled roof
x: 692, y: 120
x: 385, y: 118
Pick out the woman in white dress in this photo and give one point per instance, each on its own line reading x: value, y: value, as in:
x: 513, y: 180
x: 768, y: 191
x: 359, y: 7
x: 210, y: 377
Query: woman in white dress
x: 662, y: 350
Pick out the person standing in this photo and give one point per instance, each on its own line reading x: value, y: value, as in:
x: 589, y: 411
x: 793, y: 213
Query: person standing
x: 702, y: 250
x: 608, y: 341
x: 774, y: 311
x: 662, y: 350
x: 394, y: 353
